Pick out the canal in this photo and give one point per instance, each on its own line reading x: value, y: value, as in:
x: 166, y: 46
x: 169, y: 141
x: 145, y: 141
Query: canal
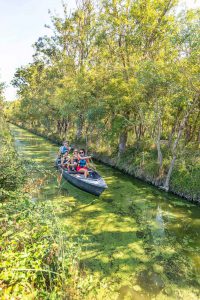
x: 135, y: 241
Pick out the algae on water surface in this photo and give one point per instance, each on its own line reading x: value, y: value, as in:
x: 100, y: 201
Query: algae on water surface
x: 136, y: 242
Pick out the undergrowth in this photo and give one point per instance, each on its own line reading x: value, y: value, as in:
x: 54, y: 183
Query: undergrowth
x: 37, y: 258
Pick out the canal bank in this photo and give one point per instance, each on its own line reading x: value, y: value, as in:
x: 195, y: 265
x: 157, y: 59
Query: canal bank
x: 133, y: 242
x: 139, y: 172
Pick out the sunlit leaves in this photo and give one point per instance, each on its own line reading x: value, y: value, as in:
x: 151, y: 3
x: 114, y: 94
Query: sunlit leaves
x: 118, y: 67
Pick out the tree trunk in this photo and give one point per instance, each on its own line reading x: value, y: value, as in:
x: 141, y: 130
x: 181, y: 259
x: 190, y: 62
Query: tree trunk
x: 58, y: 127
x: 174, y: 127
x: 158, y: 135
x: 167, y: 180
x: 64, y: 126
x: 160, y: 157
x: 171, y: 136
x: 122, y: 143
x: 174, y: 148
x: 192, y: 129
x: 79, y: 131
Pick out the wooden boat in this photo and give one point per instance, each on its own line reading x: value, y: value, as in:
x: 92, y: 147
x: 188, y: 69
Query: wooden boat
x: 93, y: 184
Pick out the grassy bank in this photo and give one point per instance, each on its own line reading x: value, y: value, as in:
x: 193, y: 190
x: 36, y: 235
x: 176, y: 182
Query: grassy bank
x: 184, y: 180
x: 38, y: 259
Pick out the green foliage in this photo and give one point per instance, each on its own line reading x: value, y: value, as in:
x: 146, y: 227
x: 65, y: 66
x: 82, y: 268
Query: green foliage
x: 125, y: 71
x: 186, y: 175
x: 12, y: 173
x: 34, y: 261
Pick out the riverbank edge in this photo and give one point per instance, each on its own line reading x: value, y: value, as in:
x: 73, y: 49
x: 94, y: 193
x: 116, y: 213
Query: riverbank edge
x: 120, y: 165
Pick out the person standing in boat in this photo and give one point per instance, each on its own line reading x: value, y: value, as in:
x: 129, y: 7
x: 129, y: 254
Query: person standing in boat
x: 64, y: 148
x: 83, y: 163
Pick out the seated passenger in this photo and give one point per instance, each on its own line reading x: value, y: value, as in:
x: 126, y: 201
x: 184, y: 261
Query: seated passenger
x: 65, y: 160
x: 74, y: 160
x: 63, y: 149
x: 83, y: 162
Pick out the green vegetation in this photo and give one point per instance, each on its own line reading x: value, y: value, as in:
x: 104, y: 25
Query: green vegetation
x: 134, y: 242
x: 124, y: 75
x: 35, y: 262
x: 11, y: 176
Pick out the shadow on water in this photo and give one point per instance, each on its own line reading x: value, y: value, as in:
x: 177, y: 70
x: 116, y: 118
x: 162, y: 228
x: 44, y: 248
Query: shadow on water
x: 144, y: 242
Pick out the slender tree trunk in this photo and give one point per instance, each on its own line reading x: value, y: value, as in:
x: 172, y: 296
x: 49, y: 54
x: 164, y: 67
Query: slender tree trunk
x: 158, y: 121
x: 191, y: 133
x: 174, y: 150
x: 64, y: 126
x: 170, y: 138
x: 160, y: 157
x: 136, y: 133
x: 87, y: 138
x: 79, y: 131
x: 58, y: 127
x: 122, y: 142
x: 167, y: 180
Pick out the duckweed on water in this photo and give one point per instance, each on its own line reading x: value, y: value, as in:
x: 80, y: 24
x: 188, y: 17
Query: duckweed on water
x: 136, y: 242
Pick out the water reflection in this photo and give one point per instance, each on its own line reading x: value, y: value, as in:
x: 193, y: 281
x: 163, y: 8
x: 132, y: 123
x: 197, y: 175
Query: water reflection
x: 159, y: 230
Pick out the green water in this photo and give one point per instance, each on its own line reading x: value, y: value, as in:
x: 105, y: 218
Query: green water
x: 136, y: 242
